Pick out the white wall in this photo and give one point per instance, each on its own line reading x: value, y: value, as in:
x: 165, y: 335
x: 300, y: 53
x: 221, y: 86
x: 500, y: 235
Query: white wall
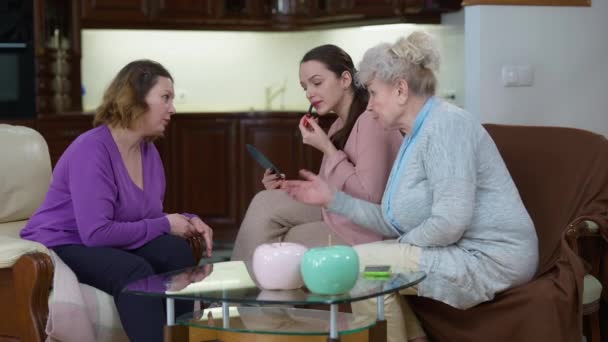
x: 228, y: 71
x: 568, y: 50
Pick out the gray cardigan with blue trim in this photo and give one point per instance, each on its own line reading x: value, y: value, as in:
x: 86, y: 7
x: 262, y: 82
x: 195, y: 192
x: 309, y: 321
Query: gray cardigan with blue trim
x: 456, y: 200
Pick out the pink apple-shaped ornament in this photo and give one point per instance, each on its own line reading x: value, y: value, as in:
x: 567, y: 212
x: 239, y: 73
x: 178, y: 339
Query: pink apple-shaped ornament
x: 276, y: 266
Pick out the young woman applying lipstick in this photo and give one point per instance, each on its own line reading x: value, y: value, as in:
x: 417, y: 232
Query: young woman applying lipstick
x: 357, y: 157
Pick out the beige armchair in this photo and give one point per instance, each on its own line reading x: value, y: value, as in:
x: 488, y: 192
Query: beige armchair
x: 26, y: 269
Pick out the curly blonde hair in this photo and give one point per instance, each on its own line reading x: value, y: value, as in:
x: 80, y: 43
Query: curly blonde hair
x: 124, y: 101
x: 414, y: 58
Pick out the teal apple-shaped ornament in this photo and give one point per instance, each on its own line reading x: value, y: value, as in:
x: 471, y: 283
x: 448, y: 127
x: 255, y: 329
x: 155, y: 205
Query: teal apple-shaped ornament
x: 330, y: 270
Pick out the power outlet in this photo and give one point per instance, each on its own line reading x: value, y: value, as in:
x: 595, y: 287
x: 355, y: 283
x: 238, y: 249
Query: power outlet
x: 517, y: 76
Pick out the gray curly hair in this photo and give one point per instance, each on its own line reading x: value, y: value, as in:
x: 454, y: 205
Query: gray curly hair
x: 414, y: 58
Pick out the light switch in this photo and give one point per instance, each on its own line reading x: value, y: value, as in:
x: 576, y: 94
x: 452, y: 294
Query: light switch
x: 526, y: 76
x: 517, y: 76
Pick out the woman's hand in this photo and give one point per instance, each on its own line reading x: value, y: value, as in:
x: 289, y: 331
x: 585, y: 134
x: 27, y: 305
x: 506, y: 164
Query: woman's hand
x: 313, y: 135
x: 205, y: 231
x: 311, y: 190
x: 272, y: 180
x: 181, y: 226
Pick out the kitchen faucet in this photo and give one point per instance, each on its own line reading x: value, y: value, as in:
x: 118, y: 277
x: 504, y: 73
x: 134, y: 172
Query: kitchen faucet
x: 272, y: 94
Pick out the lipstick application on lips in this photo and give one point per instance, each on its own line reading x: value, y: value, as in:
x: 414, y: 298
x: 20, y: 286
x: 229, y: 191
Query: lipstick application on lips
x: 308, y: 115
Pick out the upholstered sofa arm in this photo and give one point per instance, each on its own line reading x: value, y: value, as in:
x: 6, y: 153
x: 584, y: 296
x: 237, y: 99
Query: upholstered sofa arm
x: 590, y: 230
x: 11, y: 249
x: 581, y: 228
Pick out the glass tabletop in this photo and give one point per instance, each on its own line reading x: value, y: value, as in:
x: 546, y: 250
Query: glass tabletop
x: 276, y: 320
x: 230, y: 282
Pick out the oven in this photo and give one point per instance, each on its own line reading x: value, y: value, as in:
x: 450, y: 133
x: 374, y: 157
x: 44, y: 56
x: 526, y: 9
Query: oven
x: 17, y: 63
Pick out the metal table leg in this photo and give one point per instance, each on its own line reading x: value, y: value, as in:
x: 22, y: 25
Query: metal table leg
x: 333, y: 323
x: 225, y: 315
x: 380, y: 306
x: 170, y: 311
x: 378, y: 332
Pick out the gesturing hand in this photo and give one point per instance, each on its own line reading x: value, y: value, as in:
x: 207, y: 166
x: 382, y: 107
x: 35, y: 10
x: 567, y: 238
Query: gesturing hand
x: 311, y: 190
x: 205, y: 231
x: 180, y: 226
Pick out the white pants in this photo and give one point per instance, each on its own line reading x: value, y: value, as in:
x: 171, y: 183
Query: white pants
x: 402, y: 324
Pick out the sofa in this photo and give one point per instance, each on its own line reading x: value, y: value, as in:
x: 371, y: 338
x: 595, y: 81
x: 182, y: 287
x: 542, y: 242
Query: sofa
x: 562, y: 176
x: 26, y: 268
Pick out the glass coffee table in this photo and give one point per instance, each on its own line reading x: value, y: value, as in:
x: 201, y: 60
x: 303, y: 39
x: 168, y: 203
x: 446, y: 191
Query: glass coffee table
x: 239, y: 308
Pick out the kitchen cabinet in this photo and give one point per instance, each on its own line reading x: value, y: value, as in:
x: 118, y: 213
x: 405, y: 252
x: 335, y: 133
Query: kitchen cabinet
x: 174, y: 14
x: 586, y: 3
x: 98, y: 12
x: 60, y: 130
x: 204, y: 169
x: 211, y: 173
x: 57, y: 56
x: 262, y: 15
x: 367, y: 8
x: 279, y: 139
x: 163, y: 145
x: 340, y: 13
x: 244, y: 9
x: 186, y: 11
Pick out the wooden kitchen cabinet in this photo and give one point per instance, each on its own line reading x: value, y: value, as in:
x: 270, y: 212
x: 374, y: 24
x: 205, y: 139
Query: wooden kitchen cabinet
x: 279, y: 139
x: 211, y: 173
x: 57, y: 57
x: 175, y: 14
x: 60, y: 130
x: 262, y: 15
x: 204, y: 175
x: 100, y: 13
x: 296, y: 15
x: 183, y: 11
x: 375, y: 8
x: 528, y: 2
x: 362, y: 8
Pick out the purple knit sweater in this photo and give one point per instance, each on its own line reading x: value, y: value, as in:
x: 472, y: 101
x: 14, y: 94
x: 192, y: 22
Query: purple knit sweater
x: 92, y: 200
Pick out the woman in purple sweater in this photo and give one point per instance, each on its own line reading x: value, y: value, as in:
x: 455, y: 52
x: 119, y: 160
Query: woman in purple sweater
x: 103, y: 213
x: 357, y: 158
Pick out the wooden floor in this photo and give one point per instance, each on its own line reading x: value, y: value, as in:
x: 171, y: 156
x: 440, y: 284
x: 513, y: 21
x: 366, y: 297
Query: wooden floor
x: 204, y: 335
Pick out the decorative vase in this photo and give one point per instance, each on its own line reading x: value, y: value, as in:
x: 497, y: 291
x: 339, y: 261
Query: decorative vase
x: 330, y: 270
x: 276, y: 266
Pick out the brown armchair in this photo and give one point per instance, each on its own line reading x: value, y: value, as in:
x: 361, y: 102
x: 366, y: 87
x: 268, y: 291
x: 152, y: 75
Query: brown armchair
x: 562, y: 177
x: 26, y: 269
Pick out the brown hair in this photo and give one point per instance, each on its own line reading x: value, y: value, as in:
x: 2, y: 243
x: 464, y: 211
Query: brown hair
x: 338, y: 61
x: 124, y: 101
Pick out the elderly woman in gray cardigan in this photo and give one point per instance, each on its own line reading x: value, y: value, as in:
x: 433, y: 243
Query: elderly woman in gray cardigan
x: 450, y: 205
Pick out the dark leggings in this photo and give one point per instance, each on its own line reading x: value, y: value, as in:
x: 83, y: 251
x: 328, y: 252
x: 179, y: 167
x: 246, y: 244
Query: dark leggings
x: 111, y: 269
